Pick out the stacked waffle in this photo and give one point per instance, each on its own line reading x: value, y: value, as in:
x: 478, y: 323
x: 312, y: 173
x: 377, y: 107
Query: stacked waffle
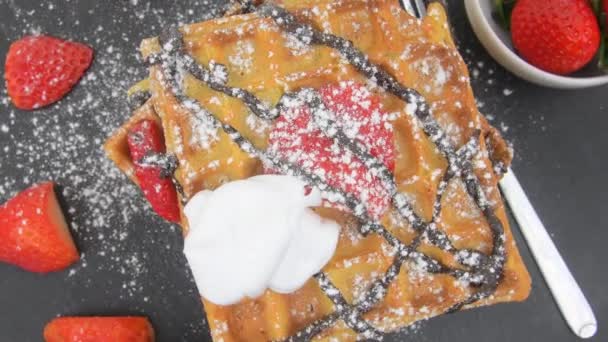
x: 442, y: 243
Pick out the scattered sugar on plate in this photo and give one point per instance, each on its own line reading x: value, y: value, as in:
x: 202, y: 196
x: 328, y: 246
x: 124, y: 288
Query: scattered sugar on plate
x: 107, y: 214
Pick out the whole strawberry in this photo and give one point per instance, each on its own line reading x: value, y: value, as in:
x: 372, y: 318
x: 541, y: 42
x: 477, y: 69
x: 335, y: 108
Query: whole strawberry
x: 40, y: 70
x: 559, y: 36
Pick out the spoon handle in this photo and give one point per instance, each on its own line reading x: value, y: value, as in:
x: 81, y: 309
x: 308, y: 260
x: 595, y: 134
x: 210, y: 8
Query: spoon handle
x: 568, y: 295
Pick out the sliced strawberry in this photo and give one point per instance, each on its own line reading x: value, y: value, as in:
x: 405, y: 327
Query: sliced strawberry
x: 296, y: 138
x: 99, y: 329
x: 40, y: 70
x: 146, y: 138
x: 33, y: 232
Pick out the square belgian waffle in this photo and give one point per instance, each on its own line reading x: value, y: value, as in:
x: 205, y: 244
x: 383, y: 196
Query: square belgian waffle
x: 444, y: 244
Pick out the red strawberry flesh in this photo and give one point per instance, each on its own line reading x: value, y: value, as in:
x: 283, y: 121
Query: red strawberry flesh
x: 559, y: 36
x: 41, y: 70
x: 146, y: 138
x: 33, y: 232
x: 296, y: 138
x: 355, y: 105
x: 99, y: 329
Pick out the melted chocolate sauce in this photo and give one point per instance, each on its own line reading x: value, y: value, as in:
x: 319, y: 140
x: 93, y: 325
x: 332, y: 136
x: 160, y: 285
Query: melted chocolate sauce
x: 215, y: 76
x: 137, y: 99
x: 493, y: 266
x: 350, y: 314
x: 247, y: 6
x: 484, y: 274
x: 322, y: 118
x: 499, y: 166
x: 166, y: 162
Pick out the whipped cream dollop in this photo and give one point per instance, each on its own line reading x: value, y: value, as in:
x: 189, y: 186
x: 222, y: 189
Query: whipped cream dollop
x: 254, y: 234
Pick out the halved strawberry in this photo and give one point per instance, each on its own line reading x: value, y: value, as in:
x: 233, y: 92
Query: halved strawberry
x: 40, y: 70
x: 146, y: 139
x: 297, y: 139
x: 99, y: 329
x: 33, y: 232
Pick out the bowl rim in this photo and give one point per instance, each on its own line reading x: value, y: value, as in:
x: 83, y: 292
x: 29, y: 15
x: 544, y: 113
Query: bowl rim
x: 513, y: 62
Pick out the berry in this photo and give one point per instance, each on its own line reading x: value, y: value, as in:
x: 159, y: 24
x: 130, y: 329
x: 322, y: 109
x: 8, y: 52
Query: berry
x: 99, y: 329
x: 295, y: 138
x: 146, y: 139
x: 559, y: 36
x: 41, y: 70
x: 33, y: 232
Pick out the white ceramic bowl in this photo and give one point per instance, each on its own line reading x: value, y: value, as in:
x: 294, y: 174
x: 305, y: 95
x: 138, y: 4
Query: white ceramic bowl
x: 498, y: 43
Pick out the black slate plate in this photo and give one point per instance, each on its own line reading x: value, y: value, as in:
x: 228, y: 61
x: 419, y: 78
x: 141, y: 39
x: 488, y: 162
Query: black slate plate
x: 132, y: 262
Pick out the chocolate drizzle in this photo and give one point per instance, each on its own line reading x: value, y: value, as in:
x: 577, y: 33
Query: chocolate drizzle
x: 166, y: 162
x: 137, y: 99
x: 247, y: 6
x: 494, y: 264
x: 498, y: 164
x: 486, y: 270
x: 323, y: 119
x: 215, y: 76
x: 350, y: 314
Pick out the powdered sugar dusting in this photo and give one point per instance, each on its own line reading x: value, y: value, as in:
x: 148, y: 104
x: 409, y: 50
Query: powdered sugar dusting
x: 242, y: 58
x: 113, y: 226
x: 500, y: 98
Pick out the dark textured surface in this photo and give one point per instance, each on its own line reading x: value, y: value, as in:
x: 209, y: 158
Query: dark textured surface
x: 559, y: 138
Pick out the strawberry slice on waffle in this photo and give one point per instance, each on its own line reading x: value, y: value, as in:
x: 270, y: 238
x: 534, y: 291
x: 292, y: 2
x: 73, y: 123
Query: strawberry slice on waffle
x: 146, y: 140
x: 297, y: 139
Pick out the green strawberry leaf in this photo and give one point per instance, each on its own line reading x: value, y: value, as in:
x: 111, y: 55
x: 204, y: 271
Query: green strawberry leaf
x: 603, y: 50
x: 502, y: 12
x: 603, y: 54
x: 597, y: 7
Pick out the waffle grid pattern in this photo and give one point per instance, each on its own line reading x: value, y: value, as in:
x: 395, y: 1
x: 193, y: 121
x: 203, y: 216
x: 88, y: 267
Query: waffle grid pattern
x: 484, y: 276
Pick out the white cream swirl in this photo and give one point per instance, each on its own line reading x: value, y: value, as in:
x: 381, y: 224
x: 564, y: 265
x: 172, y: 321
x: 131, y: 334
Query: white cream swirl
x: 254, y: 234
